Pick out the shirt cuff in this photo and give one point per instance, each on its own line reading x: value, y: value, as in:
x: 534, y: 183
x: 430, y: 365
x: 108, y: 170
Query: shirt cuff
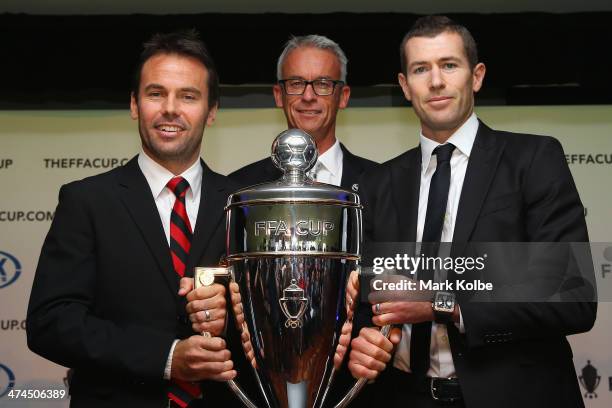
x: 460, y: 325
x: 168, y: 369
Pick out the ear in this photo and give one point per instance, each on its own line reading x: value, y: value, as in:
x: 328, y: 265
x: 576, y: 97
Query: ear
x: 278, y: 95
x: 345, y: 94
x: 478, y: 75
x: 403, y: 83
x: 133, y: 107
x: 212, y: 115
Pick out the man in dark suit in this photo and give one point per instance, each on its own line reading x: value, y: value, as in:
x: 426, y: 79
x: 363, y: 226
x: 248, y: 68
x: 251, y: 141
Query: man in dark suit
x: 311, y: 88
x: 106, y: 299
x: 467, y: 182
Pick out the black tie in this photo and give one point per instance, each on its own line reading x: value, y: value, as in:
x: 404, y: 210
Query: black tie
x: 434, y: 220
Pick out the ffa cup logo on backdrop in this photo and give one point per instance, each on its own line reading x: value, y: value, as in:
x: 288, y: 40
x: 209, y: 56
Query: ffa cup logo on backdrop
x: 10, y: 269
x: 589, y: 380
x: 7, y: 380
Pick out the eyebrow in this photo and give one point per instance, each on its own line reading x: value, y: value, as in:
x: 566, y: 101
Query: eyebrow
x: 153, y: 86
x: 443, y: 59
x: 304, y: 79
x: 186, y: 89
x: 192, y: 90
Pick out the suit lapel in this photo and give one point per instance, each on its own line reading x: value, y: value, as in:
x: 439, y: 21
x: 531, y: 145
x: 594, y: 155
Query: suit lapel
x: 138, y: 200
x: 480, y: 171
x: 212, y: 201
x: 406, y: 181
x: 349, y: 172
x: 273, y: 173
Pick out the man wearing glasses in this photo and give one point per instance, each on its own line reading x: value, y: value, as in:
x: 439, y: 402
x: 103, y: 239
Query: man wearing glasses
x: 311, y: 88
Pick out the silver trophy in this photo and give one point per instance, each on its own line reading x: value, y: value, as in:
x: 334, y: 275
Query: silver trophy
x: 291, y: 245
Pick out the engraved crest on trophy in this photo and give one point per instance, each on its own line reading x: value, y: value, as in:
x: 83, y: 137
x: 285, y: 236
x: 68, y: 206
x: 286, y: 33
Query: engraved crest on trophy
x: 293, y: 304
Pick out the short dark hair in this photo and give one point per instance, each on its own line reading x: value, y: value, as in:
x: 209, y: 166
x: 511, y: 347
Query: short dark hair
x: 431, y: 26
x: 186, y: 43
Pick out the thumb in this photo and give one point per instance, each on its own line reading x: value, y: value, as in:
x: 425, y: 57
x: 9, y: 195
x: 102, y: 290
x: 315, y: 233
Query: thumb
x: 185, y: 286
x: 395, y: 335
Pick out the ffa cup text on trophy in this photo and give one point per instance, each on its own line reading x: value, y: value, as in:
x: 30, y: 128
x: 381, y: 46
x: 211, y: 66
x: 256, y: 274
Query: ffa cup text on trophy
x: 301, y: 228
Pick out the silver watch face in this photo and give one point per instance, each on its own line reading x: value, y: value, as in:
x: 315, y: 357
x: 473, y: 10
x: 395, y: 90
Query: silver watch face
x: 444, y: 302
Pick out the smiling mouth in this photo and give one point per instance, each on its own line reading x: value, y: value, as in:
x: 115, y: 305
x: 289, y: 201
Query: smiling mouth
x: 309, y: 112
x: 169, y: 128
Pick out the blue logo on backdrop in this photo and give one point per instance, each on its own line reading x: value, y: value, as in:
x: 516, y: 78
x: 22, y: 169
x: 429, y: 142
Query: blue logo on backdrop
x: 7, y: 380
x: 10, y: 269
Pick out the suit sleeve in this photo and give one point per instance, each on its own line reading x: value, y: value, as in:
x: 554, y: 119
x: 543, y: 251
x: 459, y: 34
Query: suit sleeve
x: 553, y: 213
x: 363, y: 313
x: 62, y: 325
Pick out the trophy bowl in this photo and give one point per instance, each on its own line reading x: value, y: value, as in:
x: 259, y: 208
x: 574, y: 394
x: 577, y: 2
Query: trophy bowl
x: 291, y: 245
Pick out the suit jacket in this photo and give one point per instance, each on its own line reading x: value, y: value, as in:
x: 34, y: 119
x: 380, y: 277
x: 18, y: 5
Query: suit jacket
x: 517, y: 188
x: 104, y: 299
x: 264, y: 171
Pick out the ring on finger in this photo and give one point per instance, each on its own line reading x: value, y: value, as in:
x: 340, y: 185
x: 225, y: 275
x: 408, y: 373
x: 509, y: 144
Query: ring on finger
x: 206, y: 316
x: 377, y: 309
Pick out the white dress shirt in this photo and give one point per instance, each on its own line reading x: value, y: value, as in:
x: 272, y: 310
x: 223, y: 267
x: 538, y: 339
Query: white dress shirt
x: 158, y: 177
x: 328, y: 168
x: 441, y: 359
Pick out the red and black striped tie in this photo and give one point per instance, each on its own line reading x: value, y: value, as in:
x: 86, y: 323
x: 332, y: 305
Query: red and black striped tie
x: 180, y: 227
x: 180, y: 392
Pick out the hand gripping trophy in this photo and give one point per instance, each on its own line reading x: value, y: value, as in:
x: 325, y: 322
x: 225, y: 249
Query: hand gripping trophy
x: 291, y: 245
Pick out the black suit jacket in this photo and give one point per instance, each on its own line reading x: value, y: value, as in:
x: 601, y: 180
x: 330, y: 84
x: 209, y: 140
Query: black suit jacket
x: 104, y: 299
x: 517, y: 188
x: 264, y: 171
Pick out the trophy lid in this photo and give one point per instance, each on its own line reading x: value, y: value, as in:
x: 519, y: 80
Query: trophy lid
x: 294, y: 153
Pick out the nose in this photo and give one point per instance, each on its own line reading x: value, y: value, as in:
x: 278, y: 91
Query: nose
x: 436, y: 80
x: 170, y: 106
x: 309, y: 93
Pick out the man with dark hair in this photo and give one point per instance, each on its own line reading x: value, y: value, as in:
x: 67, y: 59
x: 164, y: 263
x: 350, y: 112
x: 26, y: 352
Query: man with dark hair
x: 108, y: 299
x: 186, y: 43
x: 311, y: 88
x: 467, y: 182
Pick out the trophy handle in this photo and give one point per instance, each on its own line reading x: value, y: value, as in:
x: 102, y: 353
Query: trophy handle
x: 352, y: 393
x: 223, y: 275
x: 233, y: 385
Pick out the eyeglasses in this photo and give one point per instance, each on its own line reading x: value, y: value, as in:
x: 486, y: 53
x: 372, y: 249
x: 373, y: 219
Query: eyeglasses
x: 321, y: 87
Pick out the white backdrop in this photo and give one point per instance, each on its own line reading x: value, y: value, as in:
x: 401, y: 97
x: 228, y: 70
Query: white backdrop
x: 41, y: 150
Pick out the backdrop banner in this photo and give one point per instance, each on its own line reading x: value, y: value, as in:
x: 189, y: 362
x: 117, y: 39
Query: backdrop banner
x: 42, y: 150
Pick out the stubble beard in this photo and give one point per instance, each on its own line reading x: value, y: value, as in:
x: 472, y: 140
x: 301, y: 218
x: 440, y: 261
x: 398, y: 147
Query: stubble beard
x: 180, y: 154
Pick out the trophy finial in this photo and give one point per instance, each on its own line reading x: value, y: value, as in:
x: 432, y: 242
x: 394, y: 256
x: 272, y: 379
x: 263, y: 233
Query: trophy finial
x: 294, y: 152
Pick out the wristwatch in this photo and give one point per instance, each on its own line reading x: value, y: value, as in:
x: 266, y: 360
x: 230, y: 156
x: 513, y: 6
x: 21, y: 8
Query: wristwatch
x: 443, y: 305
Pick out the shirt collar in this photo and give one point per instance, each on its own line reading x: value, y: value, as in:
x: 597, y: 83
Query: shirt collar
x: 332, y: 158
x: 158, y: 176
x: 463, y: 139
